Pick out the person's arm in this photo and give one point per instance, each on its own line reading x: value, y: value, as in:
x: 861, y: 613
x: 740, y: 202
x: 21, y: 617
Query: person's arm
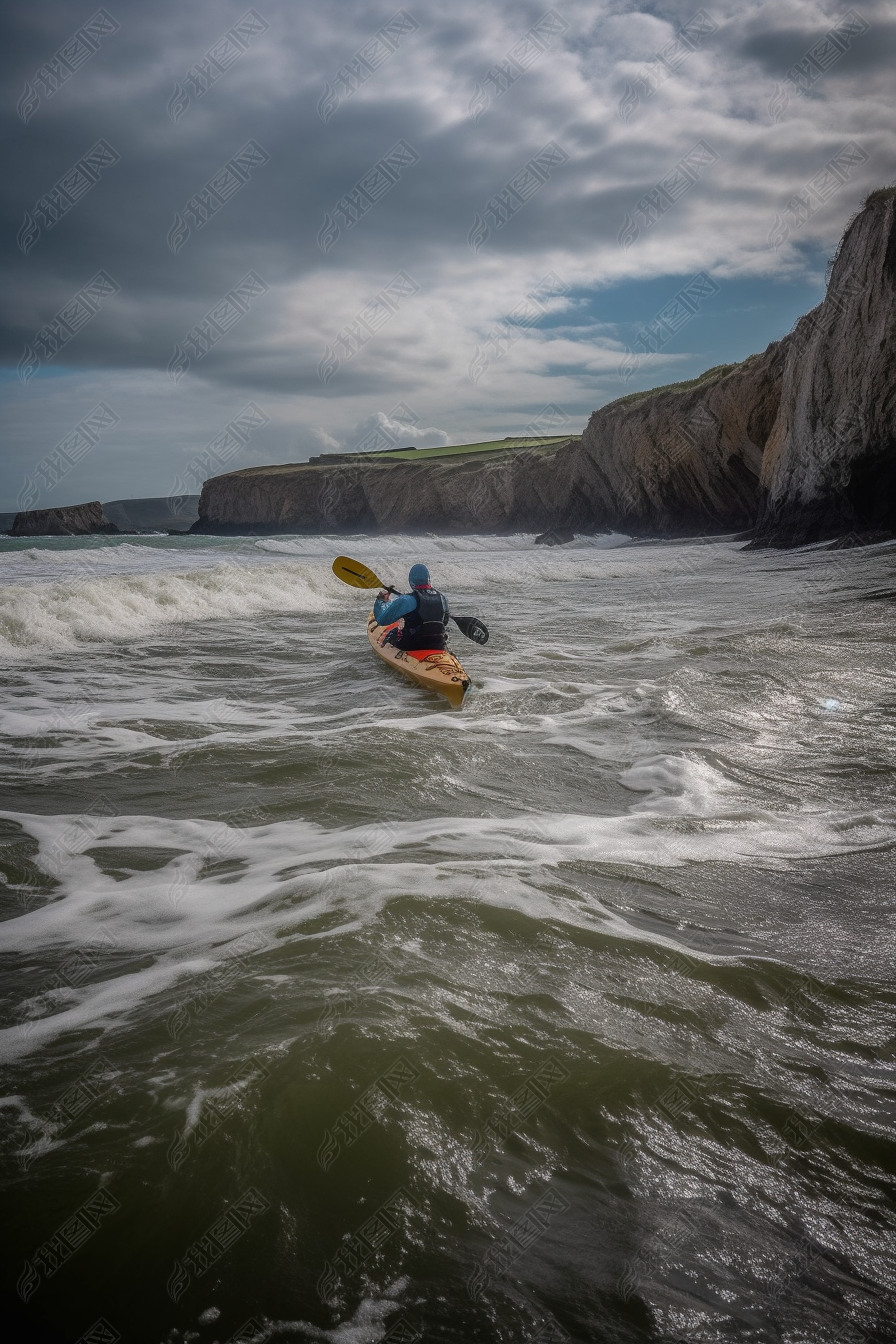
x: 385, y: 611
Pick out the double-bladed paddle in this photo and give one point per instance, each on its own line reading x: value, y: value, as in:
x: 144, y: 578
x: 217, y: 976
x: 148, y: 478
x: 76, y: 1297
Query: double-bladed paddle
x: 357, y: 575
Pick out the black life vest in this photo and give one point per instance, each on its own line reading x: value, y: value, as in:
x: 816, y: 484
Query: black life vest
x: 426, y: 626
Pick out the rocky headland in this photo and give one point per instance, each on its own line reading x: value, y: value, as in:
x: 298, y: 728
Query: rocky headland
x: 75, y: 520
x: 158, y: 514
x: 793, y: 445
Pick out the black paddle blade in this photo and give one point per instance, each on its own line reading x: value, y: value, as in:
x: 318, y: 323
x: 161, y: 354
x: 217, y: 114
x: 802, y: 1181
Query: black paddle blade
x: 472, y: 628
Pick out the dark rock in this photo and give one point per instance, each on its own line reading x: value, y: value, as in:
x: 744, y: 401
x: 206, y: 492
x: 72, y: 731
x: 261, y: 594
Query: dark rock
x: 73, y: 521
x: 558, y: 536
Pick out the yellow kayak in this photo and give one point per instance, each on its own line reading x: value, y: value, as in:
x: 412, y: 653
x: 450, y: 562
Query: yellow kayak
x: 438, y: 670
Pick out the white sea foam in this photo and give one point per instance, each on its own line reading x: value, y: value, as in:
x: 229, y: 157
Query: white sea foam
x: 368, y: 1324
x: 567, y: 759
x: 56, y: 599
x: 292, y: 879
x: 64, y: 614
x: 432, y: 544
x: 679, y: 786
x: 38, y: 563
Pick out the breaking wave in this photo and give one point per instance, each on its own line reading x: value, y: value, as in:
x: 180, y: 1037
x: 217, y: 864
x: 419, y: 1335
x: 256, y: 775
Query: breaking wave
x: 64, y: 614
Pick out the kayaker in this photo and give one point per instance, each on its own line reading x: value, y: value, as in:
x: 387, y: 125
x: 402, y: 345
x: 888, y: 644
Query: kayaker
x: 424, y: 609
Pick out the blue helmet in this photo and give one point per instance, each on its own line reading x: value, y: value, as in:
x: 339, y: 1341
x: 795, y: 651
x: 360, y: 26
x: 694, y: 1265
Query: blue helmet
x: 418, y: 576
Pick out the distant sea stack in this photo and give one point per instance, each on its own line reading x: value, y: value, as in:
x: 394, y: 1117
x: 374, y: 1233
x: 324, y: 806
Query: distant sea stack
x: 74, y: 521
x: 793, y: 445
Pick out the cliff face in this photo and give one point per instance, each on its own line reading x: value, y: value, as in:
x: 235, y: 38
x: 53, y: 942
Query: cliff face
x: 73, y: 521
x: 512, y: 491
x: 681, y: 461
x: 830, y: 461
x: 687, y: 458
x: 800, y: 439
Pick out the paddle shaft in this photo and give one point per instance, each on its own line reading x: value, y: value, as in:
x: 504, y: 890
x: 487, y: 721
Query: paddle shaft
x: 357, y: 575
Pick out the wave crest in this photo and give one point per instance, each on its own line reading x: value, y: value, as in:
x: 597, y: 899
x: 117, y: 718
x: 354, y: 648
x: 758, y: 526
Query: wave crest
x: 67, y: 613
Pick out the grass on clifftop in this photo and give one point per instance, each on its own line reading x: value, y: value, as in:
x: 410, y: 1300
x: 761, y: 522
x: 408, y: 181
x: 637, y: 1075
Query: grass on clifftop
x: 709, y: 376
x: 461, y: 449
x: 511, y: 444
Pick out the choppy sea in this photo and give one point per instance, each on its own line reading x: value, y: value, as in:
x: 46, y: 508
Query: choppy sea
x: 334, y: 1014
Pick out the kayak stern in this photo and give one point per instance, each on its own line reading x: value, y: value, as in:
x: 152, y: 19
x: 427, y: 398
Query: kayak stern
x: 436, y: 669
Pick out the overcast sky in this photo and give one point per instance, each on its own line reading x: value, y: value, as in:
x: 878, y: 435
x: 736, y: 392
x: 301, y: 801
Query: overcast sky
x: 450, y: 222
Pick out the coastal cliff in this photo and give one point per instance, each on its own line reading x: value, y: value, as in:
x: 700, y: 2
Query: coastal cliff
x: 686, y: 458
x: 797, y: 443
x: 511, y: 491
x: 75, y: 520
x: 829, y: 465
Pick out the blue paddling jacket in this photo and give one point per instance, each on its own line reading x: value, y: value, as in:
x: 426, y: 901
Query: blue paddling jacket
x: 425, y: 613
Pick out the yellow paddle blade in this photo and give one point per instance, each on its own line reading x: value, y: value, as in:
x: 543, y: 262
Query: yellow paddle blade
x: 355, y: 574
